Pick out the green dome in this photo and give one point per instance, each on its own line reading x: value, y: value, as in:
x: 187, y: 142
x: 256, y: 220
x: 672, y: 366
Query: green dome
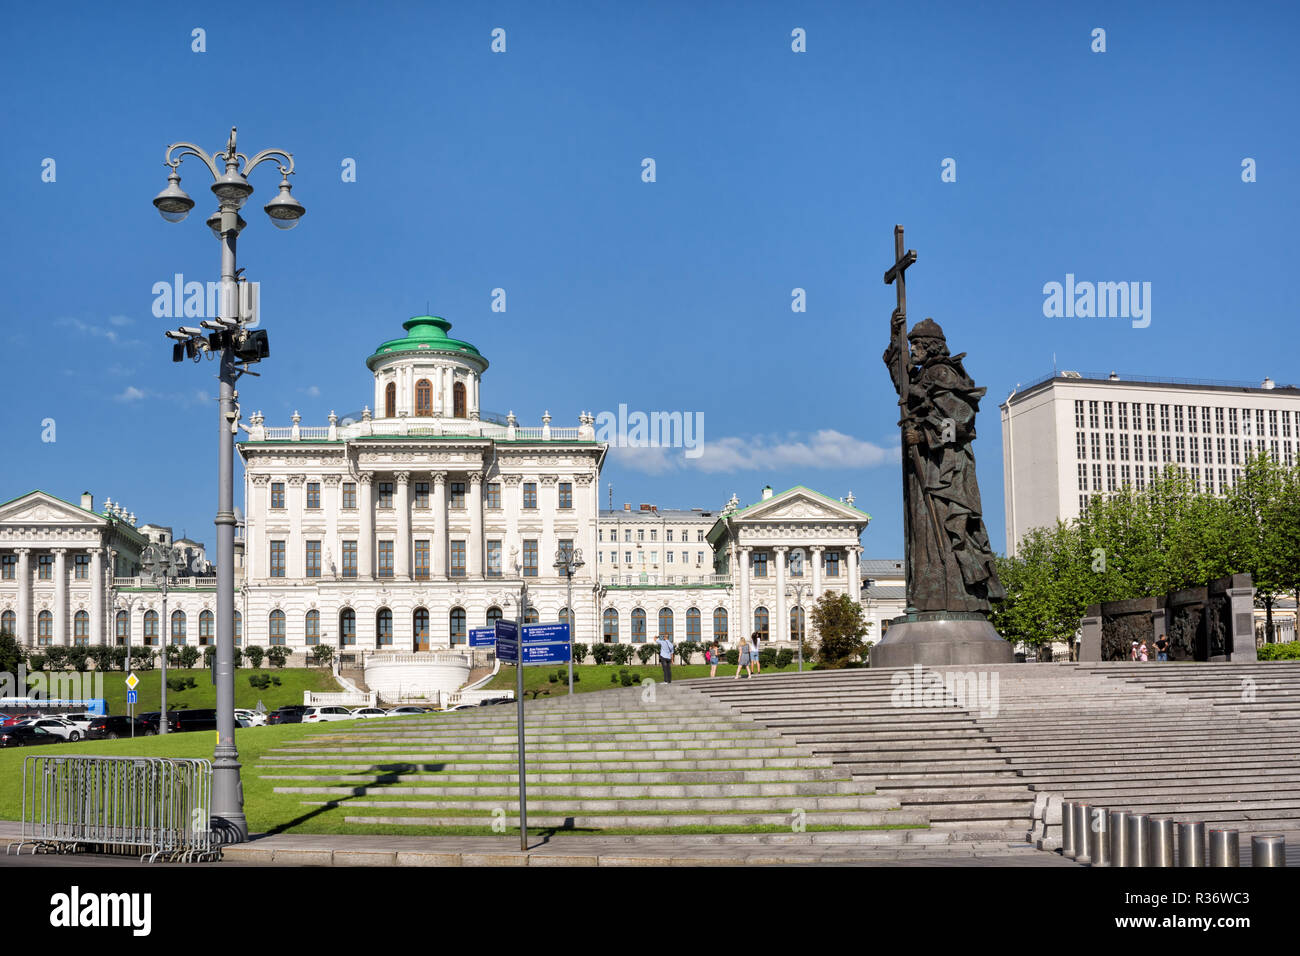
x: 426, y: 333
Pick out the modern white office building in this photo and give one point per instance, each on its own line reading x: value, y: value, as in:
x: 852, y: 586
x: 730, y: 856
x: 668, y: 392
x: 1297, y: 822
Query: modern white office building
x: 1069, y: 436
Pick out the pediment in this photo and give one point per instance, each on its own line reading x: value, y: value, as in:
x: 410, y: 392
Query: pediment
x: 39, y: 508
x: 800, y: 504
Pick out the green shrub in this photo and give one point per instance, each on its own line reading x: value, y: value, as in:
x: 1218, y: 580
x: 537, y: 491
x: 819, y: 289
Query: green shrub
x: 255, y: 655
x: 1289, y: 651
x: 56, y: 657
x: 209, y: 652
x: 603, y: 653
x: 767, y: 657
x: 579, y: 653
x: 119, y: 657
x: 626, y: 679
x: 784, y: 657
x: 277, y: 655
x: 623, y: 653
x: 613, y: 678
x: 733, y: 656
x: 189, y: 655
x: 36, y: 662
x: 180, y: 683
x: 322, y: 654
x: 688, y: 649
x: 646, y: 651
x: 79, y: 657
x: 551, y: 678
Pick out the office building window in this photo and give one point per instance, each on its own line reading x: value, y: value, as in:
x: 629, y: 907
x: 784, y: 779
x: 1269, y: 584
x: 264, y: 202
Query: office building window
x: 347, y: 627
x: 206, y: 622
x: 1081, y: 445
x: 760, y: 621
x: 1123, y: 415
x: 349, y: 559
x: 666, y: 622
x: 493, y: 499
x: 1078, y: 413
x: 81, y: 566
x: 609, y: 625
x: 385, y: 564
x: 638, y: 626
x: 311, y: 629
x: 720, y: 624
x: 277, y: 559
x: 457, y: 626
x: 458, y: 559
x: 422, y: 559
x: 832, y: 564
x: 760, y: 564
x: 1108, y: 414
x: 350, y: 495
x: 422, y: 494
x: 530, y: 558
x: 456, y: 494
x: 9, y: 568
x: 566, y: 495
x: 384, y: 627
x: 384, y: 495
x: 1092, y: 415
x: 277, y: 494
x: 313, y: 495
x: 313, y: 559
x: 275, y: 628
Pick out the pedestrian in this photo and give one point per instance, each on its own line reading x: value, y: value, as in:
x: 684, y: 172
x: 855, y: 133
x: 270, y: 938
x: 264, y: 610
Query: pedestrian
x: 743, y: 661
x: 666, y: 656
x: 1133, y: 654
x: 1142, y: 651
x: 712, y: 660
x: 753, y: 654
x: 1162, y: 648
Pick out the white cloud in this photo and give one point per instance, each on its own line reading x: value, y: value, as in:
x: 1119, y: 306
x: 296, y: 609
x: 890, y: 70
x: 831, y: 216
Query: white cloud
x: 313, y: 391
x: 826, y: 448
x: 118, y: 320
x: 131, y: 394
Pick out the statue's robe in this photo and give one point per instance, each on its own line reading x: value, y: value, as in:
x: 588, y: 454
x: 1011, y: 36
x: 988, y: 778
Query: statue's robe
x: 951, y: 566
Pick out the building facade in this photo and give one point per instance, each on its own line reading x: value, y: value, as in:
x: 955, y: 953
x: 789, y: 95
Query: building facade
x: 1069, y: 437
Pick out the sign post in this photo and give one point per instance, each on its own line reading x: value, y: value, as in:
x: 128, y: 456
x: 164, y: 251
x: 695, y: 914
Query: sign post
x: 507, y: 639
x: 131, y: 682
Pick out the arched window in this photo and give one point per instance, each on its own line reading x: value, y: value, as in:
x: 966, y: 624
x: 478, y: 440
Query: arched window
x: 8, y: 623
x: 347, y: 626
x: 760, y: 622
x: 178, y: 627
x: 638, y: 626
x: 276, y: 628
x: 420, y: 629
x: 239, y: 629
x: 566, y: 617
x: 458, y: 400
x: 81, y: 628
x: 312, y: 629
x: 390, y: 400
x: 384, y: 628
x: 45, y: 627
x: 493, y: 615
x: 123, y: 628
x: 151, y: 627
x: 206, y: 621
x: 424, y: 398
x: 693, y: 624
x: 665, y: 622
x: 796, y: 623
x: 457, y: 620
x: 531, y: 617
x: 610, y: 623
x: 720, y: 624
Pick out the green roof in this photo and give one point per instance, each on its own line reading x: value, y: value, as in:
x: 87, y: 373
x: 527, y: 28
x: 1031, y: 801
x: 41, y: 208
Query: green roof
x: 425, y: 333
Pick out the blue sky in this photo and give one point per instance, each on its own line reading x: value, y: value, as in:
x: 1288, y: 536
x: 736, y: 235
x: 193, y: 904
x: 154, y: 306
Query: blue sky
x: 522, y: 170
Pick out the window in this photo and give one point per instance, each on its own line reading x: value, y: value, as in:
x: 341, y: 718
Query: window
x: 178, y: 627
x: 9, y: 567
x: 390, y: 400
x: 760, y: 564
x: 45, y: 567
x: 313, y: 559
x: 720, y: 624
x: 531, y: 617
x: 566, y: 548
x: 566, y: 495
x: 1123, y: 415
x: 81, y: 628
x: 277, y: 494
x: 275, y: 628
x: 1110, y: 447
x: 385, y: 569
x: 640, y: 534
x: 1078, y: 413
x: 797, y: 614
x: 1272, y: 423
x: 1232, y: 421
x: 493, y: 615
x: 312, y: 628
x: 423, y: 398
x: 313, y: 495
x: 458, y: 559
x: 1092, y: 415
x: 239, y: 629
x: 760, y: 618
x: 81, y: 567
x: 627, y: 535
x: 1083, y: 477
x: 530, y: 494
x: 1178, y: 418
x: 699, y: 536
x: 384, y: 628
x: 1137, y: 416
x: 9, y: 621
x: 458, y: 633
x: 1081, y: 445
x: 493, y: 494
x: 458, y: 400
x: 1164, y: 418
x: 832, y: 564
x: 122, y: 630
x: 347, y: 626
x: 627, y: 557
x: 699, y: 557
x: 384, y: 497
x: 350, y: 495
x: 1123, y: 446
x: 530, y: 558
x: 638, y: 626
x: 665, y: 622
x: 45, y: 627
x: 422, y: 559
x: 609, y: 625
x: 1151, y: 417
x: 277, y: 559
x: 420, y: 628
x: 206, y: 635
x: 1108, y: 414
x: 456, y: 497
x: 693, y: 624
x: 422, y: 494
x: 668, y: 556
x: 494, y: 559
x: 1096, y: 445
x: 349, y: 559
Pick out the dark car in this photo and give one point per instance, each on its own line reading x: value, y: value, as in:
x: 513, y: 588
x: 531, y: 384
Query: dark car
x: 150, y: 719
x: 111, y: 728
x: 291, y: 714
x: 26, y: 736
x: 202, y: 718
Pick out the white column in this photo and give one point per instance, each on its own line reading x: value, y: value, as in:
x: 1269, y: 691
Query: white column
x: 855, y: 579
x: 24, y: 632
x: 295, y: 561
x: 366, y: 536
x: 816, y: 551
x: 438, y: 546
x: 332, y: 502
x: 254, y: 522
x: 746, y: 623
x: 96, y: 596
x: 61, y: 635
x: 548, y: 500
x: 402, y: 546
x: 512, y: 502
x: 779, y: 629
x: 474, y: 547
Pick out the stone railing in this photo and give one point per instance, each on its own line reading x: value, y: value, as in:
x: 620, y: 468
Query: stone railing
x: 417, y: 427
x: 660, y: 580
x: 338, y: 699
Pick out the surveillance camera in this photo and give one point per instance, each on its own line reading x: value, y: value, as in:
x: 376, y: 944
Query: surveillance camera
x: 191, y: 330
x: 178, y: 336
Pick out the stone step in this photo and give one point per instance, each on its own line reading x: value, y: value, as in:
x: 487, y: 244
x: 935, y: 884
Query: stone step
x: 556, y: 766
x: 504, y: 751
x: 655, y: 792
x: 557, y: 779
x: 633, y: 807
x: 845, y: 818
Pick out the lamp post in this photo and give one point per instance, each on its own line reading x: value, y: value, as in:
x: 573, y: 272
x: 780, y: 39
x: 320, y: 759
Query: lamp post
x: 236, y: 347
x: 567, y: 561
x: 127, y: 604
x: 163, y: 565
x: 797, y: 591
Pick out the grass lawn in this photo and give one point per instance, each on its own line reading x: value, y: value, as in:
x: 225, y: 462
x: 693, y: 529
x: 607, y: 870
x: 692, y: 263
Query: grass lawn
x: 293, y: 681
x: 592, y: 677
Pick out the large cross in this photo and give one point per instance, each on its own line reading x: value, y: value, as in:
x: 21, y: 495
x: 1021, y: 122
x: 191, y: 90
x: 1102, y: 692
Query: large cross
x: 903, y: 260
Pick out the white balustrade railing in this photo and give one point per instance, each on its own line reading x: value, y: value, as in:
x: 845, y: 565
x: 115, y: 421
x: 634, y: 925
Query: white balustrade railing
x: 414, y: 428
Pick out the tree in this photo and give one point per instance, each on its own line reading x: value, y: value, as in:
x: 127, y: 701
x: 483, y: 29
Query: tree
x: 322, y: 654
x: 189, y: 655
x: 647, y: 651
x: 11, y: 654
x: 841, y: 625
x: 277, y: 655
x: 254, y: 655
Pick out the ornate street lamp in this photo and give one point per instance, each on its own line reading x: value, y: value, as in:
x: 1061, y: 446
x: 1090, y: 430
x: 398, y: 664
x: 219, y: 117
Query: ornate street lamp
x: 568, y: 561
x: 798, y: 591
x: 162, y: 565
x: 236, y: 347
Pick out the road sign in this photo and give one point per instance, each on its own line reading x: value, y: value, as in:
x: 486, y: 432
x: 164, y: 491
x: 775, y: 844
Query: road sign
x: 132, y: 681
x: 546, y: 633
x: 482, y: 636
x: 507, y: 642
x: 551, y: 652
x: 543, y: 644
x: 130, y: 697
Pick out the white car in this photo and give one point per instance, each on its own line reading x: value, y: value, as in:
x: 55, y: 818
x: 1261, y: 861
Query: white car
x: 316, y: 715
x: 369, y: 712
x: 250, y: 718
x: 59, y: 727
x: 81, y: 720
x: 406, y: 711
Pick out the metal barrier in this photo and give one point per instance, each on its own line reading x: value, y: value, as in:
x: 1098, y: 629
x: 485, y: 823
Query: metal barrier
x: 157, y: 807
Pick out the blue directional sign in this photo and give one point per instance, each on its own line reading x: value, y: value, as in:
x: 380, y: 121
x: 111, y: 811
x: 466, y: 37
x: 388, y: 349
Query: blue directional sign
x: 546, y: 633
x: 546, y: 643
x: 507, y: 634
x: 482, y: 636
x: 130, y: 696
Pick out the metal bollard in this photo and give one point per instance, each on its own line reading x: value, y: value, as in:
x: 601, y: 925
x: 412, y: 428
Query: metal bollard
x: 1082, y: 815
x: 1224, y: 848
x: 1268, y: 850
x: 1067, y: 829
x: 1161, y: 833
x: 1139, y: 840
x: 1191, y: 844
x: 1099, y: 837
x: 1119, y: 838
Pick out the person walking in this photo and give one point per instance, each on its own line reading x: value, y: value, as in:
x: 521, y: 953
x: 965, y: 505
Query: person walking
x: 753, y: 654
x: 1162, y: 648
x: 1142, y: 652
x: 712, y: 660
x: 1133, y: 654
x: 666, y: 656
x: 742, y: 663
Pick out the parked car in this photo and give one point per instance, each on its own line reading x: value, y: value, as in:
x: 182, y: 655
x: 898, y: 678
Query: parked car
x: 64, y: 729
x: 81, y: 720
x: 251, y: 717
x: 369, y: 712
x: 26, y: 736
x: 406, y: 711
x: 111, y: 728
x: 316, y: 715
x: 150, y: 719
x: 201, y: 718
x: 496, y: 700
x: 288, y: 714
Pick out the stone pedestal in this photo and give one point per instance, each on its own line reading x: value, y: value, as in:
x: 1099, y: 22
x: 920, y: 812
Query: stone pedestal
x: 939, y: 638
